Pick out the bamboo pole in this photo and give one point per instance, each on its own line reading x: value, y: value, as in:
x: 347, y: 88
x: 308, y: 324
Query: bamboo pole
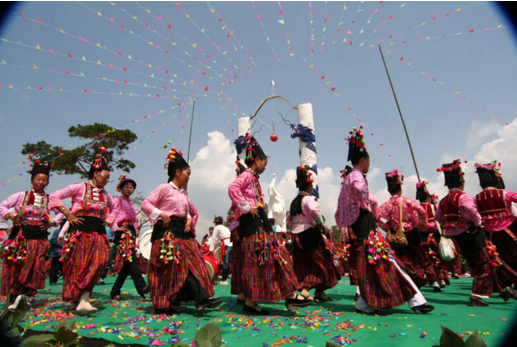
x: 400, y: 113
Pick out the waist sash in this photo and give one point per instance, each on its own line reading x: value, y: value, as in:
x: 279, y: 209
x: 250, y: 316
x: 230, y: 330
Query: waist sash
x: 90, y: 225
x: 33, y: 232
x: 177, y: 228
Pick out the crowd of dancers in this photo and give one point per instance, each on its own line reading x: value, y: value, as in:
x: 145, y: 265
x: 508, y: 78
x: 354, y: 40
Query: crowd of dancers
x: 386, y: 272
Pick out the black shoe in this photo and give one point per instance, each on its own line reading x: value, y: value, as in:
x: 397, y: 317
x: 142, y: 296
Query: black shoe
x: 290, y: 303
x: 117, y: 297
x: 513, y: 293
x: 376, y: 312
x: 318, y: 297
x: 144, y: 291
x: 241, y: 301
x: 456, y: 276
x: 505, y: 295
x: 422, y: 309
x: 356, y: 296
x: 209, y: 303
x: 478, y: 302
x: 437, y: 290
x: 168, y: 311
x: 448, y: 282
x: 249, y: 310
x: 53, y: 283
x: 101, y: 281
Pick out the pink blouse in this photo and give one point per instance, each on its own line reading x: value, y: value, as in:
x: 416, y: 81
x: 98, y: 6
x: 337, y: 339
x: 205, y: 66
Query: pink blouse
x: 126, y: 212
x: 173, y: 201
x: 242, y: 192
x: 413, y: 214
x: 354, y: 195
x: 503, y: 223
x: 76, y: 193
x: 311, y: 215
x: 16, y: 200
x: 468, y: 213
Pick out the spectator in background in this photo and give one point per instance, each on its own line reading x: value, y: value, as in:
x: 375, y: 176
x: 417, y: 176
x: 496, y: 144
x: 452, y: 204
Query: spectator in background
x: 55, y: 248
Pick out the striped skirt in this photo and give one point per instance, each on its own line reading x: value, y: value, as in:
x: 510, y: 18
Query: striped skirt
x: 84, y: 266
x: 8, y: 270
x: 314, y: 268
x: 167, y: 281
x: 382, y: 286
x: 434, y: 268
x: 413, y: 260
x: 506, y: 243
x: 487, y: 279
x: 31, y: 273
x: 274, y: 280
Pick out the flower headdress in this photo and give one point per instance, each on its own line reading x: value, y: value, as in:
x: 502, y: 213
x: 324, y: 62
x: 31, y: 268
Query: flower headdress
x: 123, y: 179
x: 303, y: 177
x: 453, y: 173
x: 173, y: 161
x: 37, y: 166
x: 356, y: 144
x: 489, y: 174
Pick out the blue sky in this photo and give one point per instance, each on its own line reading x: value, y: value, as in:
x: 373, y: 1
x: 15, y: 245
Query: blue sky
x: 456, y: 88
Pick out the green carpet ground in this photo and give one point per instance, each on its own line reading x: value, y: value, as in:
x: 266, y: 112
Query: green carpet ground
x: 133, y: 321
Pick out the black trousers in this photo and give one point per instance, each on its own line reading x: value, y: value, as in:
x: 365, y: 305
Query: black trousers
x: 138, y: 280
x: 198, y: 292
x: 109, y: 264
x: 55, y: 268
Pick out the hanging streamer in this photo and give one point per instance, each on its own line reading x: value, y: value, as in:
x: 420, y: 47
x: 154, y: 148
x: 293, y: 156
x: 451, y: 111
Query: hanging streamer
x: 224, y: 53
x: 391, y: 16
x: 104, y: 79
x: 177, y: 46
x: 86, y: 91
x: 470, y: 31
x: 229, y: 33
x: 434, y: 19
x: 325, y: 20
x: 352, y: 22
x: 287, y: 35
x: 361, y: 31
x: 98, y: 62
x: 158, y: 47
x: 340, y: 22
x: 103, y: 47
x: 264, y: 33
x: 422, y: 73
x: 311, y: 21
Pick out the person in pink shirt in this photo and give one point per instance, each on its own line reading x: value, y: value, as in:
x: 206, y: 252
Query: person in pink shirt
x: 495, y: 207
x: 177, y: 269
x: 264, y: 273
x: 85, y: 244
x: 126, y: 240
x: 461, y: 219
x: 382, y: 283
x: 24, y: 257
x: 312, y: 261
x: 412, y: 257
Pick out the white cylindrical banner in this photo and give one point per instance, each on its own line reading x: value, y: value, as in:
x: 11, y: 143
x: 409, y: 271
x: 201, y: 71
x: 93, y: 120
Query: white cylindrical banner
x: 308, y: 146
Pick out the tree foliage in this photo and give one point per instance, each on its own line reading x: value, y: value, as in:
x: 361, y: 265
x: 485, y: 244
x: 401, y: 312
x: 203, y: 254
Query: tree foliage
x: 78, y: 160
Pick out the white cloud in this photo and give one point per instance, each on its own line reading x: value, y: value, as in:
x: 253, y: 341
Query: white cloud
x: 479, y: 131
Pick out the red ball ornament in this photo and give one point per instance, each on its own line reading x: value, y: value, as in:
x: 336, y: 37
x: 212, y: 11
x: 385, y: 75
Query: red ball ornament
x: 274, y: 137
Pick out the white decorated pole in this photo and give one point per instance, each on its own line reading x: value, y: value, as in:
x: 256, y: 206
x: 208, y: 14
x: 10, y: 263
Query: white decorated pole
x: 243, y: 127
x: 276, y: 207
x: 308, y: 148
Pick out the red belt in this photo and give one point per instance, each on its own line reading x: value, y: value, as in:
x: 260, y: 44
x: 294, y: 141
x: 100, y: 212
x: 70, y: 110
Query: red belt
x: 223, y: 248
